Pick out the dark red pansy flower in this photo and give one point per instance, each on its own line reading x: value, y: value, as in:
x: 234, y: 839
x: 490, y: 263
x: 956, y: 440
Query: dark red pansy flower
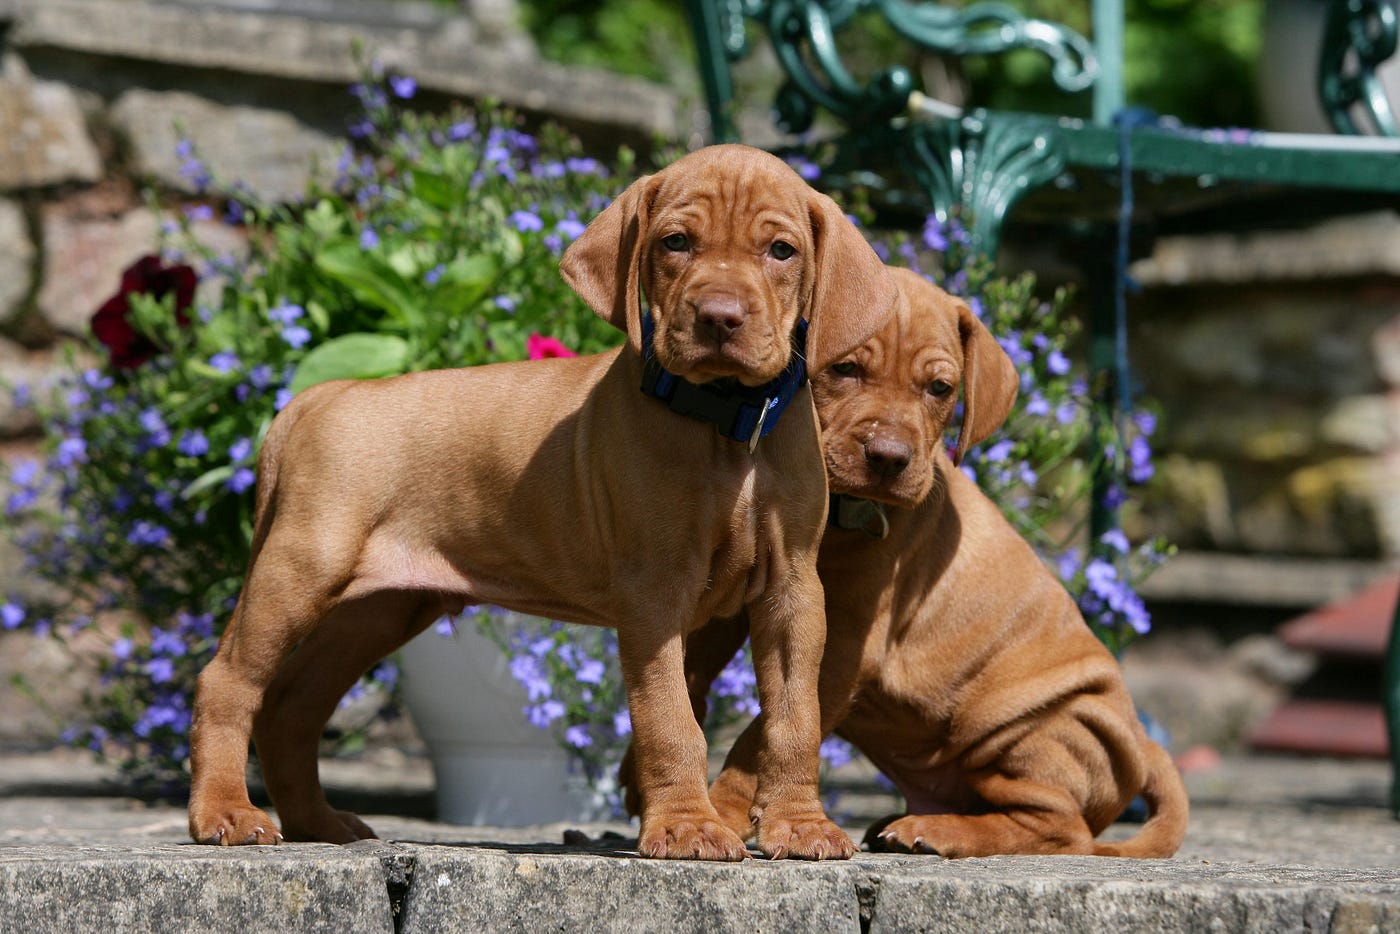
x: 112, y: 326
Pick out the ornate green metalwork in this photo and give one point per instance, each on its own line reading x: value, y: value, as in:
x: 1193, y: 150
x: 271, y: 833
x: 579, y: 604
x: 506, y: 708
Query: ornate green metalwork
x: 1360, y: 35
x: 803, y: 35
x: 981, y: 165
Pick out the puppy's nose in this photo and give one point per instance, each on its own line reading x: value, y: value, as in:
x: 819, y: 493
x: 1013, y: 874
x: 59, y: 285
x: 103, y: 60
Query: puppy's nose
x: 887, y: 456
x: 720, y: 315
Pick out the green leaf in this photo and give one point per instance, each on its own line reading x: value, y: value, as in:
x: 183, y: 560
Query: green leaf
x: 372, y: 281
x: 435, y: 188
x: 352, y: 356
x: 464, y: 282
x: 206, y: 480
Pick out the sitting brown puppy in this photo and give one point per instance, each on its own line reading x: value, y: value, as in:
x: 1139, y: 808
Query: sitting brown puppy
x: 579, y: 488
x: 954, y: 660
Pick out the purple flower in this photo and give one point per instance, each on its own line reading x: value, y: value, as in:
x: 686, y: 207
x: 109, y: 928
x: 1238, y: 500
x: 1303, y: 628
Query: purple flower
x: 283, y: 397
x: 542, y: 715
x: 445, y: 627
x: 585, y: 166
x: 122, y: 648
x: 11, y: 615
x: 161, y: 670
x: 934, y: 236
x: 434, y: 275
x: 590, y: 671
x: 505, y: 303
x: 165, y: 642
x: 460, y: 131
x: 622, y: 722
x: 260, y: 376
x: 200, y: 212
x: 570, y: 228
x: 1066, y: 412
x: 240, y: 449
x: 1057, y: 363
x: 554, y: 242
x: 577, y: 736
x: 1068, y: 564
x: 1140, y: 467
x: 999, y: 451
x: 1037, y: 404
x: 528, y: 670
x: 526, y: 221
x: 807, y: 169
x: 285, y: 312
x: 70, y: 451
x: 242, y: 479
x: 148, y: 534
x: 1146, y: 422
x: 225, y: 361
x: 157, y: 435
x: 296, y: 336
x: 369, y: 239
x: 403, y: 86
x: 836, y: 751
x: 1115, y: 539
x: 193, y: 444
x: 1101, y: 576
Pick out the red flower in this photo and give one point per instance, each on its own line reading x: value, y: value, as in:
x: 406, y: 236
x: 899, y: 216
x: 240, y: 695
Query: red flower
x: 540, y: 347
x: 126, y: 346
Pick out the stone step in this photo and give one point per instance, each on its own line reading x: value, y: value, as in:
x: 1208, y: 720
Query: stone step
x: 1357, y: 627
x: 1324, y: 728
x: 413, y: 887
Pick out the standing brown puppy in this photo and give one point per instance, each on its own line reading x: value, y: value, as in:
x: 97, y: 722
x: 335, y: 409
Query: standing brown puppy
x: 955, y: 661
x: 557, y: 487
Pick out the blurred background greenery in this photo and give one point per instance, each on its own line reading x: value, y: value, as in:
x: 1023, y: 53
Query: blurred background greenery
x: 1193, y: 59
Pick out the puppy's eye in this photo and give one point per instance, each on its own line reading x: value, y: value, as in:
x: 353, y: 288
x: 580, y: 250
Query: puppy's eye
x: 781, y: 250
x: 939, y: 388
x: 844, y: 368
x: 676, y: 242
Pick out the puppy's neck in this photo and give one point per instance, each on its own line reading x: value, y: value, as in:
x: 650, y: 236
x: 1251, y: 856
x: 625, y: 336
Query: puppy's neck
x: 741, y: 413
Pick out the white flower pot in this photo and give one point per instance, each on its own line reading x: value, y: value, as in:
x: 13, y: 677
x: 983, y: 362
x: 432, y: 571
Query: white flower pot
x: 492, y: 767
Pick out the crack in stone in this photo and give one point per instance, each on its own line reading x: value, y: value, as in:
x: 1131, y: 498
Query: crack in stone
x: 399, y: 867
x: 867, y: 898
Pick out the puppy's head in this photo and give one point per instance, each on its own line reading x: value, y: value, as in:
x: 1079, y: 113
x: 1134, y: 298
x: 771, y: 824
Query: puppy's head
x: 885, y: 406
x: 731, y: 247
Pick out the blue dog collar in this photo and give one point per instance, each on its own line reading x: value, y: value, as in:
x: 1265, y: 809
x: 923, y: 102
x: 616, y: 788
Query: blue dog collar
x: 741, y: 413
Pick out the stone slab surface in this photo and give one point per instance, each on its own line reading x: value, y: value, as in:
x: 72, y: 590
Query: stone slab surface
x: 443, y: 52
x: 1276, y: 844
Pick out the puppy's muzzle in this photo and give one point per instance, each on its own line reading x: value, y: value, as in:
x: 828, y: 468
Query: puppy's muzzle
x: 718, y: 318
x: 887, y: 456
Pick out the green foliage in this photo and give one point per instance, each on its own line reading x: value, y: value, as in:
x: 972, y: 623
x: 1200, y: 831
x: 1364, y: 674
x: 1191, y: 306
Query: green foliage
x: 638, y: 37
x: 436, y: 245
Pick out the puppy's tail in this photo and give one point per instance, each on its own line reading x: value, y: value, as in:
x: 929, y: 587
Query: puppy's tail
x: 1167, y: 809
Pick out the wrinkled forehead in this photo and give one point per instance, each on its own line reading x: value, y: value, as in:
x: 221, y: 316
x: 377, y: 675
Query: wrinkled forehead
x: 928, y: 316
x: 729, y: 183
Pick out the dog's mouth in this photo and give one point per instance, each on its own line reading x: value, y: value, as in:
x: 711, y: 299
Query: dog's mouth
x: 703, y: 360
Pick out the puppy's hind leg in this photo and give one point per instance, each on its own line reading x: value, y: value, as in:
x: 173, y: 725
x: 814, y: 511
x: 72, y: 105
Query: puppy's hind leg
x: 280, y: 606
x: 1022, y: 817
x: 287, y: 730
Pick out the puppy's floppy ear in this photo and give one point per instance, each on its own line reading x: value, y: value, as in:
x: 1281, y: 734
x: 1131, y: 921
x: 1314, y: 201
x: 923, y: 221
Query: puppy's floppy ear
x: 603, y: 264
x: 852, y: 295
x: 990, y: 382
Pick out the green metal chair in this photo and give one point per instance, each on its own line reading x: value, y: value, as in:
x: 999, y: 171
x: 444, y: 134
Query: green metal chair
x: 1102, y: 183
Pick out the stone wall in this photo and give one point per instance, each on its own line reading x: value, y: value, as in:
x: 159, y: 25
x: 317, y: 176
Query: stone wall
x: 92, y: 91
x: 1276, y: 360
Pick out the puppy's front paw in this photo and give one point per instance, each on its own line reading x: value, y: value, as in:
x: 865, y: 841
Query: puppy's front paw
x: 800, y: 832
x: 689, y: 837
x: 233, y: 825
